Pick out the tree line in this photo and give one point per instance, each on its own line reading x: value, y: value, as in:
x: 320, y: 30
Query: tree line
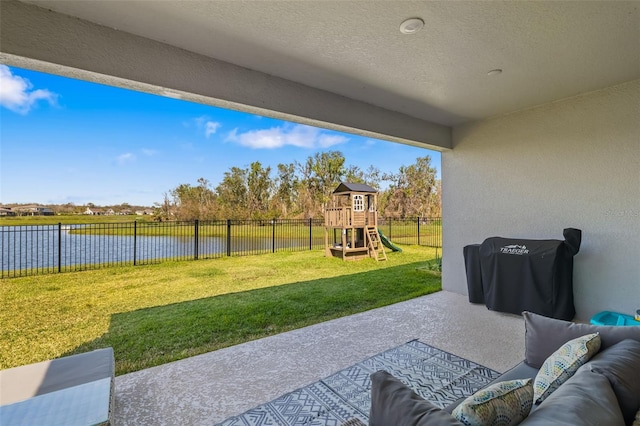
x: 302, y: 190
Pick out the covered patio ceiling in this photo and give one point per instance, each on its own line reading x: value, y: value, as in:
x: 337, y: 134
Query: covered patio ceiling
x: 336, y: 64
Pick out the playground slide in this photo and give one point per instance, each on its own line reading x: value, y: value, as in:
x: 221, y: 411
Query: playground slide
x: 387, y: 242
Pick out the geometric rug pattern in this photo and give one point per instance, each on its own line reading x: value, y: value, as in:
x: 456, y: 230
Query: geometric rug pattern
x: 435, y: 375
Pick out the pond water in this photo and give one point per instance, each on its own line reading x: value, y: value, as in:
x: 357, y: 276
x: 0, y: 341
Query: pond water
x: 48, y: 248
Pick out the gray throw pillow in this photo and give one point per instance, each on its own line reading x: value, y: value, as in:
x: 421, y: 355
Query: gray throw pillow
x: 586, y: 399
x: 393, y: 403
x: 620, y: 364
x: 544, y: 336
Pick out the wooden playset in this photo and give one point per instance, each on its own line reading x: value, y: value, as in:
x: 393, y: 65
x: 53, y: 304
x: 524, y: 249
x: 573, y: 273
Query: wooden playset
x: 351, y: 223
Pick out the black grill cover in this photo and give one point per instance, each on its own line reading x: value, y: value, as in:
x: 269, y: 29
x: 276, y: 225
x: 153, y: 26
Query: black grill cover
x: 530, y: 275
x: 474, y: 276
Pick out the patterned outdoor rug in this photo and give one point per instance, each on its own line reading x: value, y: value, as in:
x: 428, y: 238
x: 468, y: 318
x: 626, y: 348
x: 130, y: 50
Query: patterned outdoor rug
x: 435, y: 375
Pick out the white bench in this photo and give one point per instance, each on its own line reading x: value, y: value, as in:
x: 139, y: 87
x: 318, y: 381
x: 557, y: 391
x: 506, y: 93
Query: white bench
x: 76, y: 390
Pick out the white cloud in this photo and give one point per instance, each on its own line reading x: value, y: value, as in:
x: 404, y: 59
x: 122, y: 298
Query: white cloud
x: 203, y: 123
x: 325, y: 141
x: 149, y: 152
x: 232, y: 136
x: 16, y: 93
x: 125, y: 158
x: 199, y: 121
x: 210, y: 128
x: 298, y: 135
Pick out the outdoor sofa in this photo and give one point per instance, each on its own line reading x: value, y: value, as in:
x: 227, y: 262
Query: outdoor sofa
x: 75, y: 390
x: 601, y: 388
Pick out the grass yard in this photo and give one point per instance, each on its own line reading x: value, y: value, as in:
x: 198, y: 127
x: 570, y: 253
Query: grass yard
x: 155, y: 314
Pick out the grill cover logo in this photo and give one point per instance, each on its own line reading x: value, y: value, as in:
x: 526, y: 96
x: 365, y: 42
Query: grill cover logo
x: 514, y: 249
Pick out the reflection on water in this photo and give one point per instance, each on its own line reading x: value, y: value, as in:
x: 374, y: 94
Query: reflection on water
x: 51, y: 247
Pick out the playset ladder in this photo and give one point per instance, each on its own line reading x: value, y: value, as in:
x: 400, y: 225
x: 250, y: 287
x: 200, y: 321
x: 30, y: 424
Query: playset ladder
x: 375, y: 245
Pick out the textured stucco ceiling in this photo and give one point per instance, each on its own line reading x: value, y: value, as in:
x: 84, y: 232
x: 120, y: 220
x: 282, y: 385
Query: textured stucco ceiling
x: 547, y: 50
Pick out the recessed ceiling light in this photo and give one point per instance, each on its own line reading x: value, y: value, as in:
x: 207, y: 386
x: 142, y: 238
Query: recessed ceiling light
x: 411, y: 26
x: 495, y: 72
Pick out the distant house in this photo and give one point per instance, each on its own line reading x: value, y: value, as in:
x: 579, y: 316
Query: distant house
x: 33, y: 210
x: 109, y: 212
x: 6, y: 211
x: 125, y: 212
x: 94, y: 211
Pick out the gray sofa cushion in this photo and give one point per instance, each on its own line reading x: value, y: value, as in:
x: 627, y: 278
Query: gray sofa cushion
x: 620, y: 364
x: 393, y: 403
x: 520, y: 371
x: 543, y: 336
x: 73, y: 390
x: 27, y: 381
x: 586, y: 399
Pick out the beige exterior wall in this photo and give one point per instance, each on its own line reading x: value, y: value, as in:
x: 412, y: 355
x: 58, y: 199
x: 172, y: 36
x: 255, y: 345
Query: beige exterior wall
x: 530, y: 174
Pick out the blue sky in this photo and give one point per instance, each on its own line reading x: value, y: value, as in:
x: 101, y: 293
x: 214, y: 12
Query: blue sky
x: 65, y: 140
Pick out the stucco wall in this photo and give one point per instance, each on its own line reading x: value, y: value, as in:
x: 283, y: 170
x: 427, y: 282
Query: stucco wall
x: 530, y: 174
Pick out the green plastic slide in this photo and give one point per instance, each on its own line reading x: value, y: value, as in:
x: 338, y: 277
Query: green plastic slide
x: 387, y: 242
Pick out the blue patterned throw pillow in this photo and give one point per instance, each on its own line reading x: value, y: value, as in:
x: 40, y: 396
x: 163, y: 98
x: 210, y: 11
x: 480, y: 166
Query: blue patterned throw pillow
x: 563, y: 363
x: 501, y: 404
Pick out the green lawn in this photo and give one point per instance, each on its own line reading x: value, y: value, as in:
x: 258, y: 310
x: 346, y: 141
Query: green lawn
x: 155, y: 314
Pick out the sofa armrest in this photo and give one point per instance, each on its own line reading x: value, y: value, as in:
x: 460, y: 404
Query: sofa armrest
x: 76, y: 389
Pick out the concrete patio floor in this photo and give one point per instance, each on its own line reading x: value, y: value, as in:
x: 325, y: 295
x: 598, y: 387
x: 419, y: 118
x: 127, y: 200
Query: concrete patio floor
x: 208, y: 388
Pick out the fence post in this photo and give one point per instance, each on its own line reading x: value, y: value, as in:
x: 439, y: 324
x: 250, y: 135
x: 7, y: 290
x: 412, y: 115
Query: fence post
x: 59, y: 246
x: 390, y: 220
x: 273, y: 235
x: 228, y: 237
x: 135, y: 241
x: 310, y: 235
x: 195, y: 239
x: 418, y: 230
x: 438, y: 239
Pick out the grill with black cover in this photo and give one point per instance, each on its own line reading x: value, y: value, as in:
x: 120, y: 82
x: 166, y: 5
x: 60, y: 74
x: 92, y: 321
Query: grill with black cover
x: 529, y: 275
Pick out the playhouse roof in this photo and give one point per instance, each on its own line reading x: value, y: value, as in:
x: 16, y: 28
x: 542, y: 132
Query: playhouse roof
x: 353, y: 187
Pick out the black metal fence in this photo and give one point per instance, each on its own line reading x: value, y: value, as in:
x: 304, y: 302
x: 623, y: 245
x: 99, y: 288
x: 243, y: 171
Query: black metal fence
x: 41, y: 249
x: 415, y: 231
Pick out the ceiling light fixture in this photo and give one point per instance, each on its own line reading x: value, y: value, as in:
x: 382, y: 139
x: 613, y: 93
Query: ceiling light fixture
x: 411, y: 26
x: 495, y: 72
